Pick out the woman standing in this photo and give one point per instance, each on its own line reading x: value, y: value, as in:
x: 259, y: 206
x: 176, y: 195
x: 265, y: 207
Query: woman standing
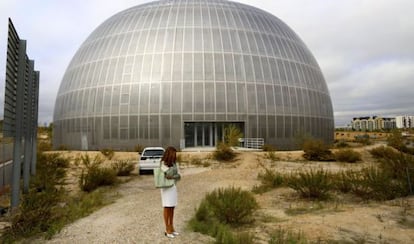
x: 169, y: 195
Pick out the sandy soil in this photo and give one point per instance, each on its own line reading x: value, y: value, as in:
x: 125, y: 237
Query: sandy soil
x: 136, y: 216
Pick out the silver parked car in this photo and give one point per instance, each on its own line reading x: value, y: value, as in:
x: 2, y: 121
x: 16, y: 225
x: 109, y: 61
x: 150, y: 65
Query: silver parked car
x: 150, y: 158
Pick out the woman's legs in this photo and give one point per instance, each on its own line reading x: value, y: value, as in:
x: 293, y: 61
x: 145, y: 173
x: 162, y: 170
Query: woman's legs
x: 172, y: 219
x: 167, y: 219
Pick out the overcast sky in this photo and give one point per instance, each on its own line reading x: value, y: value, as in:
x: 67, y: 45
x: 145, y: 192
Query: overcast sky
x: 365, y: 48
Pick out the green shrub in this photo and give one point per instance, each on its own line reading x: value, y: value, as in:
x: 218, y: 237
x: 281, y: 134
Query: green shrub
x: 383, y: 152
x: 199, y: 162
x: 269, y: 179
x: 232, y: 134
x: 123, y: 167
x: 93, y: 175
x: 231, y: 205
x: 378, y: 184
x: 108, y: 153
x: 347, y: 155
x: 222, y: 209
x: 43, y: 146
x: 51, y: 172
x: 271, y: 155
x: 282, y: 236
x: 346, y: 181
x: 397, y: 164
x: 314, y: 184
x: 396, y: 141
x: 226, y: 236
x: 224, y: 152
x: 317, y: 150
x: 47, y: 207
x: 37, y: 211
x: 341, y: 144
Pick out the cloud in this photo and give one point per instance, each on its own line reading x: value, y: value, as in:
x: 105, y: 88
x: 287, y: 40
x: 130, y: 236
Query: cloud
x: 381, y: 88
x: 364, y: 48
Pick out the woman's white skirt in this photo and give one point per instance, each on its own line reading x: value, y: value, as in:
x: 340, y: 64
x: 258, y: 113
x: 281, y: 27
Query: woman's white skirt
x: 169, y: 196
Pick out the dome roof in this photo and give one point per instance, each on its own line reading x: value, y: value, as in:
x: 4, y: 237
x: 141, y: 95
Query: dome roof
x: 191, y: 61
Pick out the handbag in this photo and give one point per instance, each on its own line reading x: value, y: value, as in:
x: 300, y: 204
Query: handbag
x: 160, y: 180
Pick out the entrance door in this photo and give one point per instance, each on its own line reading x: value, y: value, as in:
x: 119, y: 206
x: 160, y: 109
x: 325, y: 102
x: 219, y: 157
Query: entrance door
x: 206, y: 134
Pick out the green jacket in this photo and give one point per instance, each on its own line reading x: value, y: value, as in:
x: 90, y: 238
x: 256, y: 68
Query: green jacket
x: 172, y: 172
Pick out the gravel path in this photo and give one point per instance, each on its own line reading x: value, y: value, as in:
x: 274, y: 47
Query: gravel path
x: 136, y: 217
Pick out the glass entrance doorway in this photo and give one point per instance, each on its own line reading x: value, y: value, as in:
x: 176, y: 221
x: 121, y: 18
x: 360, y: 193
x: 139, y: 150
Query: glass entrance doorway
x: 206, y: 134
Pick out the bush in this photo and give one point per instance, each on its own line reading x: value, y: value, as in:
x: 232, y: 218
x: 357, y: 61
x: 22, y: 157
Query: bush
x: 232, y: 134
x: 222, y: 209
x: 93, y: 175
x: 397, y: 165
x: 271, y: 155
x: 382, y: 152
x: 394, y: 162
x: 311, y: 184
x: 231, y: 205
x: 50, y: 173
x: 199, y: 162
x: 269, y: 179
x: 317, y: 150
x: 43, y: 146
x: 377, y: 184
x: 347, y: 155
x: 108, y: 153
x: 341, y: 144
x: 37, y: 211
x: 282, y: 236
x: 123, y: 167
x: 396, y: 141
x: 346, y: 181
x: 224, y: 152
x: 46, y: 209
x: 225, y: 236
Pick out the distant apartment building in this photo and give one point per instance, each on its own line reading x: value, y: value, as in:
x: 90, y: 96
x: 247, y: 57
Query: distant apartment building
x: 372, y: 123
x: 404, y: 122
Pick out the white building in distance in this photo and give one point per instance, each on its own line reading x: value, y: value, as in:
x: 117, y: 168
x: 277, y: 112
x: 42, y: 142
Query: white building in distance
x: 404, y: 122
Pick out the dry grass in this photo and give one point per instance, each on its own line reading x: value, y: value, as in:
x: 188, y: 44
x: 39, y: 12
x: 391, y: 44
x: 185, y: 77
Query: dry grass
x: 341, y: 219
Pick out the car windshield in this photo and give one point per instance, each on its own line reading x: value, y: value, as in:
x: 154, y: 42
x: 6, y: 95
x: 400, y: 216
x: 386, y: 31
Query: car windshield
x: 153, y: 153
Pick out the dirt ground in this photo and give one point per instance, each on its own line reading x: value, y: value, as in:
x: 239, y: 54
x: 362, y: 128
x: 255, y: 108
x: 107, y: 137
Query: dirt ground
x: 136, y: 216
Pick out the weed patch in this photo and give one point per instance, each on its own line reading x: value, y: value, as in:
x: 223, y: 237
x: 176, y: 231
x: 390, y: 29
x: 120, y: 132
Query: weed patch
x: 317, y: 150
x: 123, y: 167
x: 224, y: 152
x: 223, y: 209
x: 94, y: 176
x: 314, y: 184
x: 347, y: 155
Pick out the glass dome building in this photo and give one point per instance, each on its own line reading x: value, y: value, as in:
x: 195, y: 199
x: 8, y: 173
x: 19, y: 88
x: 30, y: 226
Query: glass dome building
x: 179, y: 72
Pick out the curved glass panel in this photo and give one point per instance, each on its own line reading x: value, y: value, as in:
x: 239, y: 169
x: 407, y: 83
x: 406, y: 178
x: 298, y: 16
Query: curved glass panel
x: 147, y: 71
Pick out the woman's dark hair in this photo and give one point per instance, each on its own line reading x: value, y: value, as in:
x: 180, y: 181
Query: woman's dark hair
x: 169, y: 156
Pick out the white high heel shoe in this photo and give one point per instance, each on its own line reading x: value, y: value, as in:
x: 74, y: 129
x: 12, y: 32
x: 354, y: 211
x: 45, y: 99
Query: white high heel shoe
x: 169, y: 235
